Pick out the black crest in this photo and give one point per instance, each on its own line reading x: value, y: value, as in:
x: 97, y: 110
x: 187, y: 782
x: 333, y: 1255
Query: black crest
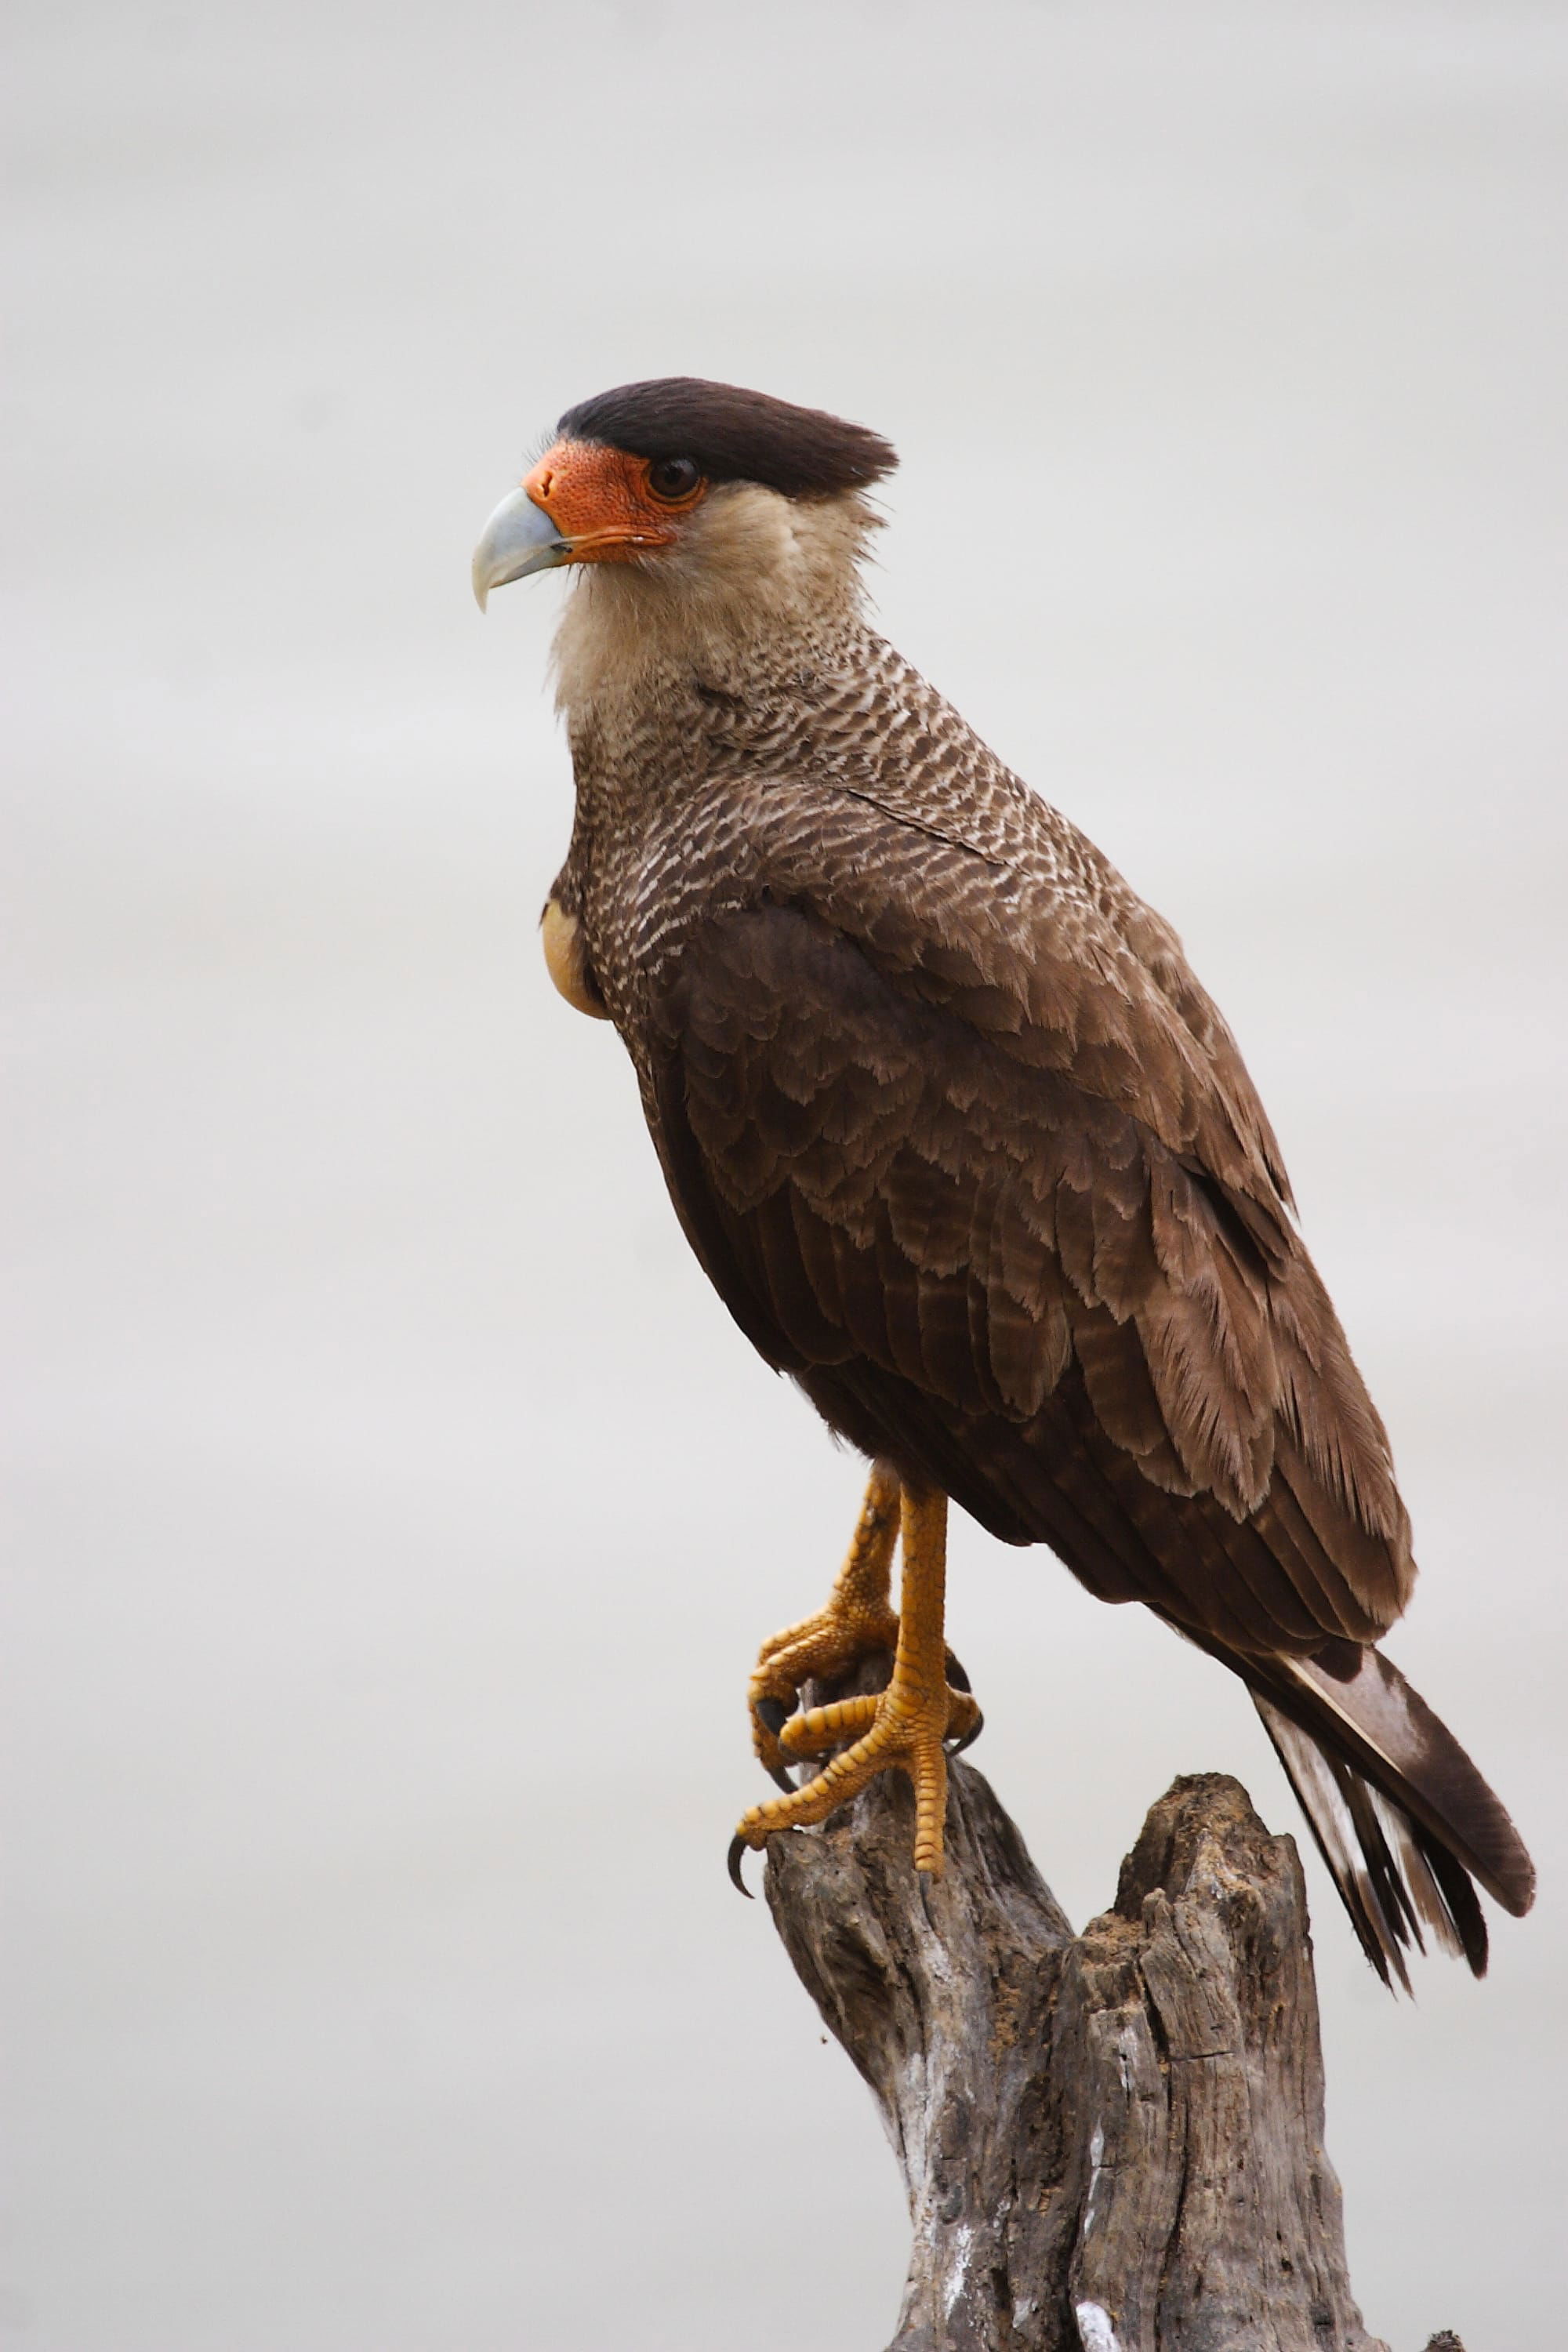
x: 735, y: 436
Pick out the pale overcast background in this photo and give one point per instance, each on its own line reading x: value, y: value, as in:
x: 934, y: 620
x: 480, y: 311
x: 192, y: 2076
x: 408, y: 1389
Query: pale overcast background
x: 393, y: 1512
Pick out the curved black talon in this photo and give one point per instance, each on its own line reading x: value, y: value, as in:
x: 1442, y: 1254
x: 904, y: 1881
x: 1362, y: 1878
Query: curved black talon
x: 970, y: 1736
x: 956, y: 1675
x: 772, y: 1714
x: 737, y: 1848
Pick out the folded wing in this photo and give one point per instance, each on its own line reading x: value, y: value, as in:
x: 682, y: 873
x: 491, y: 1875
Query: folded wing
x: 1087, y: 1316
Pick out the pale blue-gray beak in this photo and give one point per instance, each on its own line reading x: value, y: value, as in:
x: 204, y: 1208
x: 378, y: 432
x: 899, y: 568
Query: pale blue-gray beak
x: 518, y: 538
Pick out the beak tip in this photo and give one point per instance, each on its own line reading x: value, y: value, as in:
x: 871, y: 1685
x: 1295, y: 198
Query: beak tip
x: 518, y: 538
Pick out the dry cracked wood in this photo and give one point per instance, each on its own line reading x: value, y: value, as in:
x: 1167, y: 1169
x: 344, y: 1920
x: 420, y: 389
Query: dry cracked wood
x: 1112, y: 2142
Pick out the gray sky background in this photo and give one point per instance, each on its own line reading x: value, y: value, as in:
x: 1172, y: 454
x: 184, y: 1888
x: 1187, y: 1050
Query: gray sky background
x: 394, y: 1513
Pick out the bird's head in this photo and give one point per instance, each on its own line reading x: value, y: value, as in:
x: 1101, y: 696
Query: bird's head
x: 697, y: 489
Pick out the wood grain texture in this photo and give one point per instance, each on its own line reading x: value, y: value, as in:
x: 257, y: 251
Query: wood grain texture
x: 1111, y: 2142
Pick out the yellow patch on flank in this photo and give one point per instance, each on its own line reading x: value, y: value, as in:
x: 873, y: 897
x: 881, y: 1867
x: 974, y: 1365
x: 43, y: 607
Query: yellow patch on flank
x: 562, y: 937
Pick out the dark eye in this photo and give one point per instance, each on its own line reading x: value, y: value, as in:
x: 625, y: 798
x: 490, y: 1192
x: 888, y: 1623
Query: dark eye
x: 673, y: 478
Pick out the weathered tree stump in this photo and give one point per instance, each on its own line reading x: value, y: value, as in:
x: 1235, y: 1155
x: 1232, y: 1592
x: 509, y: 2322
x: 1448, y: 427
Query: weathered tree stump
x: 1112, y: 2142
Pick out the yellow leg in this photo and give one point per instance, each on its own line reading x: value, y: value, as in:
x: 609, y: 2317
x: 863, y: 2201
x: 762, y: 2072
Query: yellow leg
x: 908, y: 1724
x: 858, y: 1619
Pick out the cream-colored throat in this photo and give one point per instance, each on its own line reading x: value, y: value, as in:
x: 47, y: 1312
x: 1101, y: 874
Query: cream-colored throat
x: 753, y: 575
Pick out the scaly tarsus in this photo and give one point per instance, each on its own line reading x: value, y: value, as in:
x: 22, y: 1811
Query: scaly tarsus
x: 909, y: 1720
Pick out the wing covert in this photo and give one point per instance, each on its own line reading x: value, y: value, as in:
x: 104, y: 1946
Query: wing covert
x: 1014, y: 1285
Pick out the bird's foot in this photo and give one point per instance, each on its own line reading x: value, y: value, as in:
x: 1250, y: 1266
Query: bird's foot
x: 857, y: 1624
x: 905, y: 1726
x: 926, y: 1705
x: 824, y: 1648
x: 819, y: 1730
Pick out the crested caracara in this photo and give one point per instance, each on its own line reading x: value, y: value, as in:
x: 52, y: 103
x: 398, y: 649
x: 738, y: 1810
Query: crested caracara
x: 964, y: 1148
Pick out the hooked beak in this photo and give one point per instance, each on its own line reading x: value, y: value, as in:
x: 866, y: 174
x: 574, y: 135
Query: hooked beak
x: 518, y: 538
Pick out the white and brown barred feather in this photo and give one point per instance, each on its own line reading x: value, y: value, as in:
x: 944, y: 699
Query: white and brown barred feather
x: 969, y: 1152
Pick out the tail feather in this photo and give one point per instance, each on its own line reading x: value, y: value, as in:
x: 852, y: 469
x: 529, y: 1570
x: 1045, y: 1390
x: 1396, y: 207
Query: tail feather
x: 1387, y: 1730
x: 1400, y: 1814
x: 1393, y: 1878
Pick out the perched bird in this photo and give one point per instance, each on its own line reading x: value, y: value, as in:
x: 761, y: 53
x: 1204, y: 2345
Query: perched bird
x: 963, y: 1147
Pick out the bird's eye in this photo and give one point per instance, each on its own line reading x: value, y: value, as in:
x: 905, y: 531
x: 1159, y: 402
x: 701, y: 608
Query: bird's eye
x: 673, y: 478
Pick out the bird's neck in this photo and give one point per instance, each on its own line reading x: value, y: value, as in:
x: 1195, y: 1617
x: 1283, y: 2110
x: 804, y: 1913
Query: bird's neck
x: 772, y: 588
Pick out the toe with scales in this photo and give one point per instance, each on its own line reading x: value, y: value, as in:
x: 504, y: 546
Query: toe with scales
x: 818, y: 1730
x: 907, y: 1724
x: 858, y: 1621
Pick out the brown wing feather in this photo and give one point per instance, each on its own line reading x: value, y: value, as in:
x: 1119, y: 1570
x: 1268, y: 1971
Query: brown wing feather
x: 1017, y: 1287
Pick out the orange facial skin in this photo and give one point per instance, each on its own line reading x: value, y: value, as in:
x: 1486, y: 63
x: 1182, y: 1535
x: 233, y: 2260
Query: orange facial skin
x: 600, y: 502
